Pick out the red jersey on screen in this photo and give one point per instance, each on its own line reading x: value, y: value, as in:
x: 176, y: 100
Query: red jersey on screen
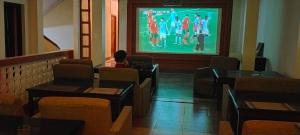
x: 150, y: 21
x: 154, y: 28
x: 185, y: 23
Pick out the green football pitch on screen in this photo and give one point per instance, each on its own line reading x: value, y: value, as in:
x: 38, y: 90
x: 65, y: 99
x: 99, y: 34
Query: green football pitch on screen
x: 178, y: 30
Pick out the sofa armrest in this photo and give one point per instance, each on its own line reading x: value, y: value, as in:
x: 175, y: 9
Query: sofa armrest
x: 146, y: 84
x: 225, y: 128
x: 225, y: 102
x: 145, y: 97
x: 203, y: 72
x: 123, y: 124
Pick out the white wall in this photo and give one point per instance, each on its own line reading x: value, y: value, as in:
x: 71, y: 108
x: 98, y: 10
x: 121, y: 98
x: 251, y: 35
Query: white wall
x: 76, y: 28
x: 108, y: 28
x: 123, y: 25
x: 279, y: 22
x: 98, y: 32
x: 58, y: 25
x: 270, y: 30
x: 237, y: 28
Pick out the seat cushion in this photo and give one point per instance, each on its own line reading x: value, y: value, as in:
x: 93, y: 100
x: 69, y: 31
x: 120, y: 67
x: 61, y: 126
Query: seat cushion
x: 261, y: 127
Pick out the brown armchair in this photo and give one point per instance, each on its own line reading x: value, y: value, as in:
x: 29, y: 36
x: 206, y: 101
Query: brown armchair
x: 96, y: 113
x: 203, y: 77
x: 141, y: 92
x: 73, y: 74
x: 137, y: 61
x: 77, y: 61
x: 262, y: 127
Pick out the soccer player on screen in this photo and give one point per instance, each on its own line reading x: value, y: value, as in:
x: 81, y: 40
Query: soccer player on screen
x: 173, y: 20
x: 149, y: 19
x: 178, y: 29
x: 149, y: 23
x: 185, y: 27
x: 196, y: 25
x: 154, y: 33
x: 163, y: 30
x: 205, y: 30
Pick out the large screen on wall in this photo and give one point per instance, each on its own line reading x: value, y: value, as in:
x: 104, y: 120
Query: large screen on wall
x: 178, y: 30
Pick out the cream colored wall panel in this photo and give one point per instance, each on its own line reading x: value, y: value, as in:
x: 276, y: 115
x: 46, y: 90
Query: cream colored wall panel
x: 98, y: 32
x: 123, y: 24
x: 250, y: 34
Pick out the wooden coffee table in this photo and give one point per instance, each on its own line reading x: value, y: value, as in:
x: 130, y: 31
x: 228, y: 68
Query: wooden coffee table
x: 228, y: 77
x: 117, y: 100
x: 262, y: 106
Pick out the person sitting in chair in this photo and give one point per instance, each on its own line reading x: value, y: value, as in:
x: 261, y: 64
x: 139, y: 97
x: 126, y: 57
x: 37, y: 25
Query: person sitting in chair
x: 121, y: 59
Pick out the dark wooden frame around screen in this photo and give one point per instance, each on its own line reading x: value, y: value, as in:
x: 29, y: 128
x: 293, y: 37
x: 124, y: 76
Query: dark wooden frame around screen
x: 181, y: 62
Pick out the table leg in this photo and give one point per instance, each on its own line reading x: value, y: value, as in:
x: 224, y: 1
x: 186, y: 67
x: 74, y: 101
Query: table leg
x: 30, y: 104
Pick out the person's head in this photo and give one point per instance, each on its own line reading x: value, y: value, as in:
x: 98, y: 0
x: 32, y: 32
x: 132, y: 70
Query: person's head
x: 176, y: 18
x: 120, y: 56
x: 206, y: 17
x: 162, y: 19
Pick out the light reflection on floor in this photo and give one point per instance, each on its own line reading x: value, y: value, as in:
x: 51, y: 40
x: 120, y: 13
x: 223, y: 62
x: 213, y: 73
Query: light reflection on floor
x: 175, y: 116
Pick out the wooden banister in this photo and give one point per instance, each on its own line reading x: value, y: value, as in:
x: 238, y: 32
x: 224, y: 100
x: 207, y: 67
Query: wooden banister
x: 52, y: 42
x: 35, y: 57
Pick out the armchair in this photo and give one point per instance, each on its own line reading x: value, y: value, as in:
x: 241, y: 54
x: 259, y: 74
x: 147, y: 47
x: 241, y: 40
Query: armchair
x: 268, y: 84
x: 77, y: 61
x: 137, y: 61
x: 78, y: 74
x: 266, y: 127
x: 225, y: 128
x: 141, y: 92
x: 96, y: 113
x: 204, y: 84
x: 262, y: 127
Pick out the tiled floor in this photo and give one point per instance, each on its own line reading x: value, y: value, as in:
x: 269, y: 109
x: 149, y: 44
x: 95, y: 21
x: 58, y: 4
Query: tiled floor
x: 171, y: 115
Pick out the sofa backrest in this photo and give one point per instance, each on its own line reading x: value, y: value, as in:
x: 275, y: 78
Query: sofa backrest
x: 73, y: 73
x: 77, y: 61
x: 137, y: 61
x: 268, y: 84
x: 224, y: 63
x: 95, y: 112
x: 119, y: 74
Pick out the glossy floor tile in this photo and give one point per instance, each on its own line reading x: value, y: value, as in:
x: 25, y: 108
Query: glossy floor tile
x: 172, y: 115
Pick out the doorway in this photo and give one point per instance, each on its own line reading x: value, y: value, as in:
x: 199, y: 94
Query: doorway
x: 113, y: 34
x: 13, y: 29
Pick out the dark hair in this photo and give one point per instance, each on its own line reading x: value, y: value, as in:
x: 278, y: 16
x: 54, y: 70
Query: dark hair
x: 120, y: 56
